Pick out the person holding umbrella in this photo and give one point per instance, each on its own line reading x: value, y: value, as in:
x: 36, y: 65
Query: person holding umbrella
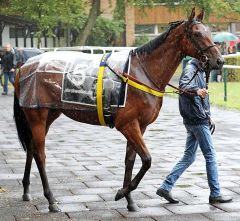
x: 224, y: 37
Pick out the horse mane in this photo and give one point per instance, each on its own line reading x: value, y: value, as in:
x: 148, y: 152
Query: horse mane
x: 156, y: 42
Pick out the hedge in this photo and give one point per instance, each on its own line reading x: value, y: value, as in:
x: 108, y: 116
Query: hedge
x: 233, y: 74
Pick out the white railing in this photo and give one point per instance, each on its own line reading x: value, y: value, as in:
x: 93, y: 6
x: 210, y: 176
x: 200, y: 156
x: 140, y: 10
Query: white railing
x: 225, y: 75
x: 90, y: 49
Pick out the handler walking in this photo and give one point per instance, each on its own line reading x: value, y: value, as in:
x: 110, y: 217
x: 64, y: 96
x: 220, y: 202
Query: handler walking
x: 195, y: 111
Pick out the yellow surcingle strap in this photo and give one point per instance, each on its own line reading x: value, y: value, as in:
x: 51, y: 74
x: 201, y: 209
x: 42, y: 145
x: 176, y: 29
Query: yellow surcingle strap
x: 142, y: 87
x: 100, y: 89
x: 99, y: 96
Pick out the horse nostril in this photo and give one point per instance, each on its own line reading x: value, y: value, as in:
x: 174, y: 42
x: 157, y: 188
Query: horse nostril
x: 220, y: 61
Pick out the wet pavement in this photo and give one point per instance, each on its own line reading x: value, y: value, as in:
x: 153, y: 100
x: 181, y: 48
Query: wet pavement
x: 85, y: 166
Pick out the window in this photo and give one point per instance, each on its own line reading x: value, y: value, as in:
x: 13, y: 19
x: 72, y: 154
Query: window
x: 16, y: 32
x: 148, y: 29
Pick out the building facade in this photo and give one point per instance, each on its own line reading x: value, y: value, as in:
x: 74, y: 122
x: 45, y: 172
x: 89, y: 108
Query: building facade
x: 151, y: 21
x: 20, y: 33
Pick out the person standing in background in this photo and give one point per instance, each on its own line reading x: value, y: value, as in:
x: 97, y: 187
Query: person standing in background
x: 8, y: 67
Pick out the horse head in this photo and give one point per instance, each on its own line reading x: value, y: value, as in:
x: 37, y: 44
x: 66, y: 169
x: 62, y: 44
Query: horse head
x: 199, y: 43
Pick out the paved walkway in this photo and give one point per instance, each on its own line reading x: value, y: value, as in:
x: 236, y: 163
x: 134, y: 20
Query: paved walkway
x: 85, y: 166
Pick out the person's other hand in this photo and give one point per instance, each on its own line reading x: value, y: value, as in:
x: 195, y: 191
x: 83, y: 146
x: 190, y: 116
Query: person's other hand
x: 202, y: 92
x: 211, y: 125
x: 12, y: 70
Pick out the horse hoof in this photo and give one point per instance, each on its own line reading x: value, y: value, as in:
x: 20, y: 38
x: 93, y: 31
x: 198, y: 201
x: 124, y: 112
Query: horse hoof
x: 26, y: 197
x: 120, y: 194
x: 54, y: 208
x: 133, y: 207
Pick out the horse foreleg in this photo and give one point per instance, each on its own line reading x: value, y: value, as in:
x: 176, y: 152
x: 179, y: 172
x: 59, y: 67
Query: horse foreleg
x: 129, y: 163
x: 134, y: 136
x: 26, y: 178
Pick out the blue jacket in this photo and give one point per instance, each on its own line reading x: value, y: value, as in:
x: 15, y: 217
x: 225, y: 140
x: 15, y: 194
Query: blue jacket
x: 194, y: 109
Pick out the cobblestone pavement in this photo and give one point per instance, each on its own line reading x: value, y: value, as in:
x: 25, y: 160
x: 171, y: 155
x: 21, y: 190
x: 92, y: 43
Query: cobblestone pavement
x: 85, y: 166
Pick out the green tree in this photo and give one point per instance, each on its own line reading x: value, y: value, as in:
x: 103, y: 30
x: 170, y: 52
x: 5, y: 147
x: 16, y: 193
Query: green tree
x: 90, y: 22
x: 94, y: 22
x: 83, y: 17
x: 46, y: 14
x: 72, y: 17
x: 105, y: 32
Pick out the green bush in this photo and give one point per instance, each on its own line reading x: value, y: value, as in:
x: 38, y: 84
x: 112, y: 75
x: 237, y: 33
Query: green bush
x: 233, y: 74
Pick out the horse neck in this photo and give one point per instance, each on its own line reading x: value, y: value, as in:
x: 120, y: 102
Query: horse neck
x: 162, y: 63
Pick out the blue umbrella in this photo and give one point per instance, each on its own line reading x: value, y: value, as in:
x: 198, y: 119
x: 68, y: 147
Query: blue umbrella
x: 224, y: 36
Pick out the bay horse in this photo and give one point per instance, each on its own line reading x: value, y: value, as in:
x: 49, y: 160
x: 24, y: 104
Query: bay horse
x: 154, y: 64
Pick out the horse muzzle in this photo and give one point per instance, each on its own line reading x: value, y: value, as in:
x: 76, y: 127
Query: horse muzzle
x: 212, y: 64
x: 220, y: 62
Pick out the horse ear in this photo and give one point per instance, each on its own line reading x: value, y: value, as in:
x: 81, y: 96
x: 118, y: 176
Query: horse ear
x: 191, y: 17
x: 201, y: 15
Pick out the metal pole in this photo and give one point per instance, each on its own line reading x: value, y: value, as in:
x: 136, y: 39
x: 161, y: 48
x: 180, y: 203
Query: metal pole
x: 225, y: 83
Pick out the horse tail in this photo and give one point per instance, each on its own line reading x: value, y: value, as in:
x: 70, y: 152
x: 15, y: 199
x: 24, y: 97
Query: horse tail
x: 23, y: 128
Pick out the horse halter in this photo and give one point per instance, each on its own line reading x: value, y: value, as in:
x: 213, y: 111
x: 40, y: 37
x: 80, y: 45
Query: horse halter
x: 202, y: 57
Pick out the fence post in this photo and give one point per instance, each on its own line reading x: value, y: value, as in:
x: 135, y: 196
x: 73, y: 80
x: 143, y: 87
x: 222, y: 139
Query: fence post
x: 225, y: 83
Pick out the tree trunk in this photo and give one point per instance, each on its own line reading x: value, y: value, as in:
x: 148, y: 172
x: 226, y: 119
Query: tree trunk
x: 39, y: 41
x: 92, y: 17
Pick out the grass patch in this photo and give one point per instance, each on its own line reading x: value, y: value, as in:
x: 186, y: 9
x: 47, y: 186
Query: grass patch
x: 216, y: 93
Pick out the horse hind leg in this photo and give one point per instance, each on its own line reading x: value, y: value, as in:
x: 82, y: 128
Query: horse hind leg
x: 26, y: 178
x: 29, y: 156
x: 25, y: 138
x: 52, y: 116
x: 39, y: 126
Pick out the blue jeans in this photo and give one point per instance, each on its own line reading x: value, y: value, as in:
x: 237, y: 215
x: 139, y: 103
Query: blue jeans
x: 196, y: 134
x: 8, y: 75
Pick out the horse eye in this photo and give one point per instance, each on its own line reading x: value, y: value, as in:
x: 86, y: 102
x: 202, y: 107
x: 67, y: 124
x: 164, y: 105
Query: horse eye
x: 198, y: 34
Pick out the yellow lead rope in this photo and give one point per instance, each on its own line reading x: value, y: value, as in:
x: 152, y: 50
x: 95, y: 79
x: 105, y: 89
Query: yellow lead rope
x: 142, y: 87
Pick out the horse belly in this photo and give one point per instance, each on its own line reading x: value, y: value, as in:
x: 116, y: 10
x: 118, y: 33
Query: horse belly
x: 83, y: 116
